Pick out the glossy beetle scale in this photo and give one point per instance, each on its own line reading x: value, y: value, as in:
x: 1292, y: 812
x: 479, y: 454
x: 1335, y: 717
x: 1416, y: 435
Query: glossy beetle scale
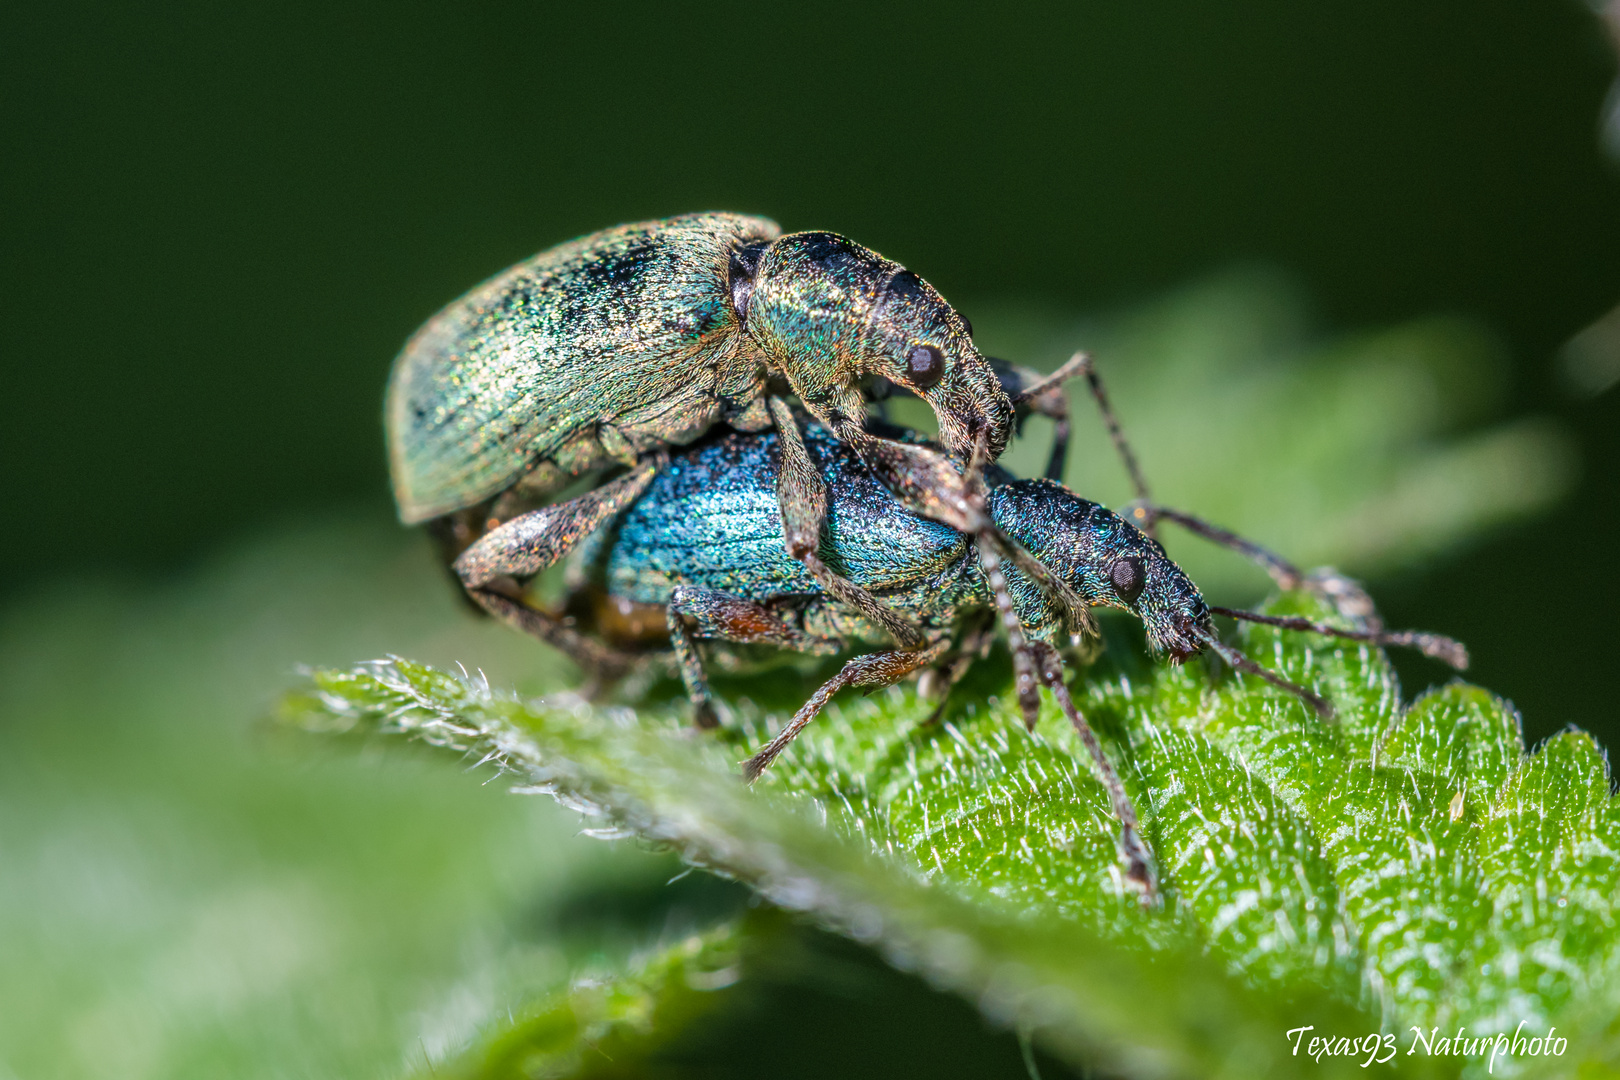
x: 587, y: 354
x: 643, y: 336
x: 709, y: 521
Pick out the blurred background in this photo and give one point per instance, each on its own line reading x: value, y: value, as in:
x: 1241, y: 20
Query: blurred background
x: 221, y: 224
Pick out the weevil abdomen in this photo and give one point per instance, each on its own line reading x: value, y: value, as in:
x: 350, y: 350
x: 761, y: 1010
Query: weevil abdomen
x: 587, y: 354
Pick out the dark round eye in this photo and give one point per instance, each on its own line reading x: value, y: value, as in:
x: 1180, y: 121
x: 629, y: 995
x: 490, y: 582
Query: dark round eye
x: 1128, y: 578
x: 925, y: 366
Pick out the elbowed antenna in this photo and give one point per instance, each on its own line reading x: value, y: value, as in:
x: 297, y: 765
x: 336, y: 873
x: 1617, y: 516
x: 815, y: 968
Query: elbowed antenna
x: 1319, y: 704
x: 1442, y: 648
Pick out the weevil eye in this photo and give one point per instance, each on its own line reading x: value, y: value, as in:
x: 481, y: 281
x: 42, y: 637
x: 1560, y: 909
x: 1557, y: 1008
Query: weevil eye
x: 1127, y: 577
x: 925, y: 366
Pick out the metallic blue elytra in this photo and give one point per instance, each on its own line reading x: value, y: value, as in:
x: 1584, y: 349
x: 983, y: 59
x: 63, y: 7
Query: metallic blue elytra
x: 701, y: 542
x: 712, y: 521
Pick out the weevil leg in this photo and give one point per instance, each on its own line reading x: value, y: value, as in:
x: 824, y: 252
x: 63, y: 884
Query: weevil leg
x: 491, y: 568
x: 803, y: 497
x: 1059, y: 460
x: 1133, y: 849
x: 1025, y: 677
x: 1033, y: 392
x: 1346, y: 595
x: 1081, y: 364
x: 692, y: 675
x: 927, y: 483
x: 873, y: 669
x: 1349, y: 598
x: 1284, y: 573
x: 704, y: 613
x: 454, y: 533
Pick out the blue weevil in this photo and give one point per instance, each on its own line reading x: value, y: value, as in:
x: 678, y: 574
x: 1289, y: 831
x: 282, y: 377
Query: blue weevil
x: 608, y: 350
x: 697, y: 555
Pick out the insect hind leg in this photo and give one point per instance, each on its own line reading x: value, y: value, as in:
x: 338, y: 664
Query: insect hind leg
x: 492, y: 567
x: 695, y: 613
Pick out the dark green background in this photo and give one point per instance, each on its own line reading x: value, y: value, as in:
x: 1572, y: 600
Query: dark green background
x: 220, y: 225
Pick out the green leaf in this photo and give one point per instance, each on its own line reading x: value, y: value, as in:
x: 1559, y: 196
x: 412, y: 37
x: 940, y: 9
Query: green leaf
x: 1403, y: 867
x: 181, y: 898
x: 612, y: 1019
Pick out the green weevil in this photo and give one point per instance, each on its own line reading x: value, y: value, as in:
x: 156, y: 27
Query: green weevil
x: 605, y: 351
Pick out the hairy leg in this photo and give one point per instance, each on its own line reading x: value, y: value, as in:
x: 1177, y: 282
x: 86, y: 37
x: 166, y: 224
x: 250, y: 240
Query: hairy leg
x: 873, y: 669
x: 803, y: 498
x: 1347, y: 597
x: 1133, y: 849
x: 491, y: 569
x: 1034, y: 393
x: 703, y: 613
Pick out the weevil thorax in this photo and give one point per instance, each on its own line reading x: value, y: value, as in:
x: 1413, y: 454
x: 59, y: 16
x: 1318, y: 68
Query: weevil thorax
x: 830, y: 314
x: 1106, y: 559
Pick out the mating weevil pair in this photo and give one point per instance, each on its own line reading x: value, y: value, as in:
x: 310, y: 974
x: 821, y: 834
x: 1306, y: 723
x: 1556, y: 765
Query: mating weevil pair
x: 608, y: 350
x: 614, y: 348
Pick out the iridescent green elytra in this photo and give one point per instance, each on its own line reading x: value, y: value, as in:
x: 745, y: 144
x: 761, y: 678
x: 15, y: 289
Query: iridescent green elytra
x: 611, y: 348
x: 645, y: 335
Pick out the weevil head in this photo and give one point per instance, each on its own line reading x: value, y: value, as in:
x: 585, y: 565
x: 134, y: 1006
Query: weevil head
x: 1106, y: 559
x: 831, y: 314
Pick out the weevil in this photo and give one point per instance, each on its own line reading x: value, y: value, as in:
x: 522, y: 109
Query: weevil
x: 697, y: 555
x: 608, y: 350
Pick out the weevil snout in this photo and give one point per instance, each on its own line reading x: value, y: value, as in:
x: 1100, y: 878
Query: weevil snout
x: 921, y: 343
x: 1170, y: 606
x: 1181, y: 642
x: 966, y: 420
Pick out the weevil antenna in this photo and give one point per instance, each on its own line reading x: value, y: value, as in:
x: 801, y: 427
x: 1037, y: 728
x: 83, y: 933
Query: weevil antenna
x: 1319, y: 704
x: 1075, y: 365
x: 1442, y: 648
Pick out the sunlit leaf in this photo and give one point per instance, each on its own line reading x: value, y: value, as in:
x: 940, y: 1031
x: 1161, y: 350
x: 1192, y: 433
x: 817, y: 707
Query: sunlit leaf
x: 1404, y: 866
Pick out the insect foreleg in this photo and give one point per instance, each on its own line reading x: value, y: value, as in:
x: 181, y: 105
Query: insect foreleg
x: 1346, y: 596
x: 1081, y: 363
x: 1132, y: 848
x: 1349, y: 598
x: 802, y: 494
x: 1032, y: 392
